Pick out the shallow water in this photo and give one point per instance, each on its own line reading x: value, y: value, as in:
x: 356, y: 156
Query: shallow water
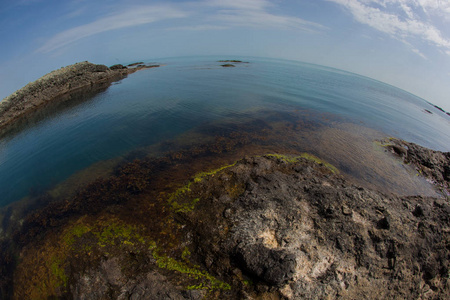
x: 338, y: 115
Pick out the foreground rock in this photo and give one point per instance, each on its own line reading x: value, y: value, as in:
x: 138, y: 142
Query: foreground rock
x: 268, y: 227
x: 300, y: 231
x: 54, y: 85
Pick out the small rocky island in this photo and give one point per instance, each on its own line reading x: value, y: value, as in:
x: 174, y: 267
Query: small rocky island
x: 53, y: 86
x: 229, y: 63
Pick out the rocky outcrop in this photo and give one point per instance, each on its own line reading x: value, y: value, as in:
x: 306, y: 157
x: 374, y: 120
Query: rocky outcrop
x: 433, y: 165
x: 300, y: 230
x: 56, y: 84
x: 265, y: 227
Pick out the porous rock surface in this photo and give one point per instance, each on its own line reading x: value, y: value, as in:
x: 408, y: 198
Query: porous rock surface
x: 300, y: 231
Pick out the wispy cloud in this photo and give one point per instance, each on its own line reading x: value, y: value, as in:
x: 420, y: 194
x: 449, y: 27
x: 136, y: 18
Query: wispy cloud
x: 199, y: 15
x: 400, y: 19
x: 198, y: 27
x: 258, y: 14
x: 241, y: 4
x: 134, y: 16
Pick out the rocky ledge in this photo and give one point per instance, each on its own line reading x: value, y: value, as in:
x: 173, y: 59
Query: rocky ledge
x: 52, y: 86
x: 265, y: 227
x: 433, y: 165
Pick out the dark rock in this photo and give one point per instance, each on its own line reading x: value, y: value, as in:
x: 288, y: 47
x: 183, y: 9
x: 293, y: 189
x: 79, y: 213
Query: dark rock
x: 135, y: 64
x: 117, y: 67
x: 228, y: 65
x: 273, y: 266
x: 384, y: 223
x: 233, y: 61
x: 401, y: 151
x: 439, y: 108
x: 418, y: 211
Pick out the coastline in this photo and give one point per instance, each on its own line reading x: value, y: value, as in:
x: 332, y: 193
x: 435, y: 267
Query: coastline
x: 195, y: 224
x: 59, y: 84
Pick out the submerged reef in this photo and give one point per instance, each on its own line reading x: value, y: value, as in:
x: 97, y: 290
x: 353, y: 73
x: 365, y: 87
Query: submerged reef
x: 200, y: 224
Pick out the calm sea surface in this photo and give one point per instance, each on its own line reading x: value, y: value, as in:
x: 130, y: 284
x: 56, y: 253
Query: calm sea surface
x: 161, y: 104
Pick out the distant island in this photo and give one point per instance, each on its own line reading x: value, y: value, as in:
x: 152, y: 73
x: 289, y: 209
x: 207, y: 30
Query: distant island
x: 229, y: 62
x: 233, y: 61
x: 438, y: 108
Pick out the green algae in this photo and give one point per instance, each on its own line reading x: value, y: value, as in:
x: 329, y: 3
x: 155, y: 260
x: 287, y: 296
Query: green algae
x: 117, y: 234
x: 181, y: 200
x: 308, y: 156
x: 59, y: 275
x: 188, y: 205
x: 209, y: 282
x: 75, y: 232
x: 184, y: 207
x: 202, y: 175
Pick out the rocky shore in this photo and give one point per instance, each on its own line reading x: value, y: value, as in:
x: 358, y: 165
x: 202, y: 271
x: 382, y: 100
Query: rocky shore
x: 433, y: 165
x: 263, y: 227
x: 57, y: 84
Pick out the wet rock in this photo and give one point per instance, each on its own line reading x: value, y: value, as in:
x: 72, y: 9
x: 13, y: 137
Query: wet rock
x: 434, y: 165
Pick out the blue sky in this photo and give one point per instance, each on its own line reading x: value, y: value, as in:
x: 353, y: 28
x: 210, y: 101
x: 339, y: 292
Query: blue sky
x: 405, y: 43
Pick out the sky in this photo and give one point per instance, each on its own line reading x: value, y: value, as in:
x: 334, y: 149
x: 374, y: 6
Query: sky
x: 405, y: 43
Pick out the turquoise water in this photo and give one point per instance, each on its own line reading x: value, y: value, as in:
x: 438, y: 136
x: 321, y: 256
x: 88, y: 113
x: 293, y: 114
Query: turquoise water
x: 155, y: 105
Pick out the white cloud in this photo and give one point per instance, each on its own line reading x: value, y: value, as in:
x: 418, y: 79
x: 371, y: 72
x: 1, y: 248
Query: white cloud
x: 384, y: 15
x: 257, y: 14
x: 199, y: 27
x: 132, y: 17
x: 241, y: 4
x: 419, y: 53
x: 204, y: 15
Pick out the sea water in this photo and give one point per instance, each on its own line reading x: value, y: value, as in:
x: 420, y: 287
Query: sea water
x: 160, y: 104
